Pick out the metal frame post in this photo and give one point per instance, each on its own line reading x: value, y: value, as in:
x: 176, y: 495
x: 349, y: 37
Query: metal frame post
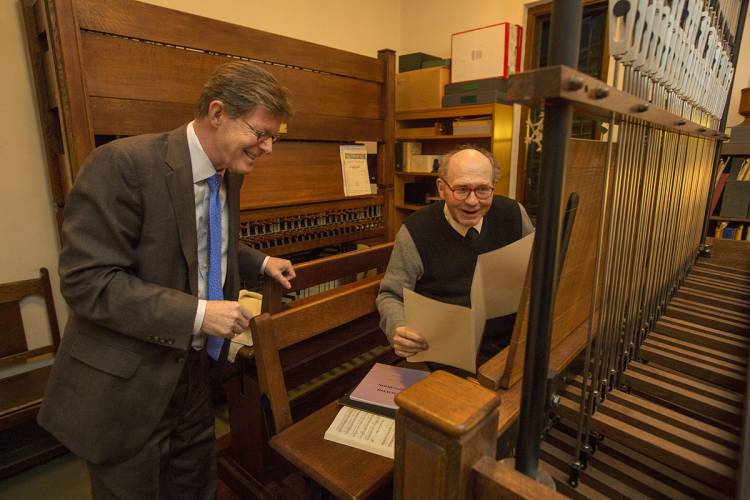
x: 566, y: 30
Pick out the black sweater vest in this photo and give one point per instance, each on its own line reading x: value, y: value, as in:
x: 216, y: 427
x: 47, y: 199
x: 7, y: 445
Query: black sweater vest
x: 449, y: 259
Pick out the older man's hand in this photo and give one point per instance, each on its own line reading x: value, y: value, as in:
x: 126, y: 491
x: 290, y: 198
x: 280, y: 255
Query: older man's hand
x: 407, y: 342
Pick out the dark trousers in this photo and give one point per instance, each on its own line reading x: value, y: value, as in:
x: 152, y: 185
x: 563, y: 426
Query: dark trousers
x: 178, y: 460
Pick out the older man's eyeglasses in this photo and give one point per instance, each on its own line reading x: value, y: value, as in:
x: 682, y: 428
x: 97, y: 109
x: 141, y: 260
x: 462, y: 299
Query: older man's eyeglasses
x: 262, y: 135
x: 482, y: 192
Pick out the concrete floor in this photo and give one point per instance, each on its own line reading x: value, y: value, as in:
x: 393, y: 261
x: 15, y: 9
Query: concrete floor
x: 64, y: 478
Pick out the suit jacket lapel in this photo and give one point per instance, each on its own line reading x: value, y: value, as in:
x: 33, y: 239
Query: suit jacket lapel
x: 180, y: 184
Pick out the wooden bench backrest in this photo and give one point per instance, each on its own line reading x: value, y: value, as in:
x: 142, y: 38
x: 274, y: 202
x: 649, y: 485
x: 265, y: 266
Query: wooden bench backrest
x: 336, y: 267
x: 13, y: 343
x: 275, y: 331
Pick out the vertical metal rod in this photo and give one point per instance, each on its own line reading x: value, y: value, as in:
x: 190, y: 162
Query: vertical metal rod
x: 587, y: 389
x: 607, y: 331
x: 650, y: 241
x: 603, y: 325
x: 565, y: 31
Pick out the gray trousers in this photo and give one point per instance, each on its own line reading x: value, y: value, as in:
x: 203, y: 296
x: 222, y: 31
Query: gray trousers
x: 178, y: 460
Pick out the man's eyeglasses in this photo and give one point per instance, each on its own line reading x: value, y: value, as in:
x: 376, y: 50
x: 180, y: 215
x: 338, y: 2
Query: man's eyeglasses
x: 462, y: 192
x: 262, y: 136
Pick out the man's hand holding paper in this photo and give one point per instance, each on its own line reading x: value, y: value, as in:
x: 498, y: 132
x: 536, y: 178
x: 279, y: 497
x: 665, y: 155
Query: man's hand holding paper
x: 407, y: 342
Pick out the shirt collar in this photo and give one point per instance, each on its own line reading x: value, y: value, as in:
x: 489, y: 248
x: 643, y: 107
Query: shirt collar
x: 458, y: 227
x: 202, y: 166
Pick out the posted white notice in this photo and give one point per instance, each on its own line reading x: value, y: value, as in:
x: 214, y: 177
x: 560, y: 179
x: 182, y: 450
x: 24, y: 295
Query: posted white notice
x: 354, y: 170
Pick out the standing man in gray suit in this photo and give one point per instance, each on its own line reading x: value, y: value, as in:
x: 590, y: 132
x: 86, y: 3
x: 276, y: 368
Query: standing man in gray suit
x: 151, y: 267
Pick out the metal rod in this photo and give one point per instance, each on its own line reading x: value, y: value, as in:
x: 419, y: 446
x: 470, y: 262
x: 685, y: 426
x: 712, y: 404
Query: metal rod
x: 587, y: 388
x: 565, y: 30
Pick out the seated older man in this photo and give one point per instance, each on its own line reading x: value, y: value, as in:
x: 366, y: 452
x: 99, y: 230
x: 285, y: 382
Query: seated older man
x: 437, y: 247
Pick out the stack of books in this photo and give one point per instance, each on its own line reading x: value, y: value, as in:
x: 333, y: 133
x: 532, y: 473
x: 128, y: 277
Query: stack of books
x: 366, y: 420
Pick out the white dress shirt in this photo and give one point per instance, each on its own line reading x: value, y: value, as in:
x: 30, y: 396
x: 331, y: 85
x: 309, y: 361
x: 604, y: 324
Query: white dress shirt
x: 202, y: 170
x: 457, y: 226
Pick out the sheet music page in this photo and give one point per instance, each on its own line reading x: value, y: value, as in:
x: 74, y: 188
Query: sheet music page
x: 354, y: 170
x: 448, y: 329
x: 363, y: 430
x: 499, y: 276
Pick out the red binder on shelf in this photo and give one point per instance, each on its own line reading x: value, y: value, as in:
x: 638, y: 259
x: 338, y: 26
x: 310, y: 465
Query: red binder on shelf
x: 718, y: 191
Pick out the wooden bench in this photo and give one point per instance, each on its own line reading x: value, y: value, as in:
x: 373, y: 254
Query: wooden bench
x: 307, y: 353
x: 21, y: 393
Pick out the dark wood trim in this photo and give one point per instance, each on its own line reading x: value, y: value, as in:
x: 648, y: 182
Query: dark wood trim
x: 532, y: 18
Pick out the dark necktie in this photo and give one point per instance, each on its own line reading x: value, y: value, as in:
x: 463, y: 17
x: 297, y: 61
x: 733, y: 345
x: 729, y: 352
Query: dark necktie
x: 213, y: 281
x: 472, y: 235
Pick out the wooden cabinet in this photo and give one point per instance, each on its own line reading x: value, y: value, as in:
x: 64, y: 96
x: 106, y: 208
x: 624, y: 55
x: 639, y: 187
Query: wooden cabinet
x: 437, y: 133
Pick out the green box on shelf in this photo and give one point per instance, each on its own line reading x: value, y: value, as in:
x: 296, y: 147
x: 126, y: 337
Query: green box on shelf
x: 431, y: 63
x: 410, y: 62
x: 735, y: 202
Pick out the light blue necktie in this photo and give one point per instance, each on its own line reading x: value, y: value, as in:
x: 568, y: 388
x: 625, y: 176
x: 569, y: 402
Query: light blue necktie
x: 215, y: 292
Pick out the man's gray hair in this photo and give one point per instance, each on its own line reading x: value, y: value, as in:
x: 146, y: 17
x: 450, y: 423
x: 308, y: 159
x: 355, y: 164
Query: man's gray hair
x: 243, y: 86
x: 443, y: 170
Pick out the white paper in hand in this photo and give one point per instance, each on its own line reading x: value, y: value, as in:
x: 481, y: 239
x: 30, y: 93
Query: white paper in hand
x: 447, y: 328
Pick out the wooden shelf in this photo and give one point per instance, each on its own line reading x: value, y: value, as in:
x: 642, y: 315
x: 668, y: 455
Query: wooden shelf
x: 433, y: 129
x: 449, y: 112
x: 735, y: 149
x: 442, y: 137
x: 417, y: 174
x: 744, y: 220
x: 733, y: 241
x: 408, y: 206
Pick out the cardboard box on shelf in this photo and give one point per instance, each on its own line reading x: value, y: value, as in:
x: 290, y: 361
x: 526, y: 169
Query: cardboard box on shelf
x: 472, y: 127
x: 491, y: 51
x: 404, y: 151
x: 421, y: 89
x: 423, y: 163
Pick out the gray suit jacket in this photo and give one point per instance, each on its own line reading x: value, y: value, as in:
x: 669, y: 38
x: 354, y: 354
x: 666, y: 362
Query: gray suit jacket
x: 128, y: 270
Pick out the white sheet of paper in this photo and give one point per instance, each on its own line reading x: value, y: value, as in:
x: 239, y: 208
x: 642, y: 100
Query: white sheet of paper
x: 455, y: 332
x: 447, y: 328
x: 499, y: 276
x: 363, y: 430
x: 354, y: 170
